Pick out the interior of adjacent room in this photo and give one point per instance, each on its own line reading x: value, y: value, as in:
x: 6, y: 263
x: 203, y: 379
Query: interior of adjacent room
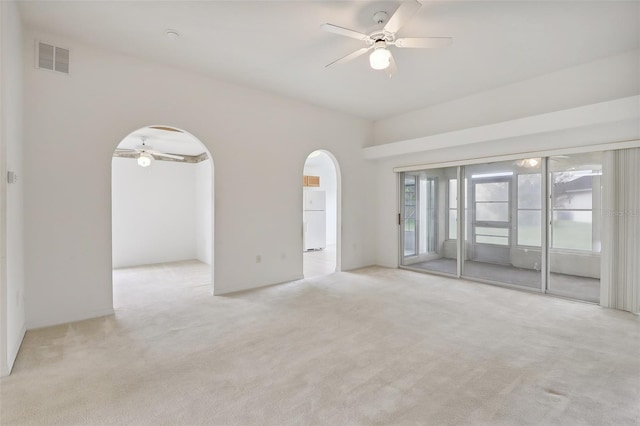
x: 161, y: 201
x: 320, y: 215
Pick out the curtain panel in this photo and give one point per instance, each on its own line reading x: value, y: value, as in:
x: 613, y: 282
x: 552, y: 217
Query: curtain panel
x: 620, y: 285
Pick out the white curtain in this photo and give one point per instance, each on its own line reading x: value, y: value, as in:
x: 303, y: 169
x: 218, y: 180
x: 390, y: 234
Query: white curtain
x: 620, y: 279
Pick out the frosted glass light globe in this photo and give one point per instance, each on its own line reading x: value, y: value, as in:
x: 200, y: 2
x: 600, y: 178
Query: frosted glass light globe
x: 144, y: 160
x: 380, y: 59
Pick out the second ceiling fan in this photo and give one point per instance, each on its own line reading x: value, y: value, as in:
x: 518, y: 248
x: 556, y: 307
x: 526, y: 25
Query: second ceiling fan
x: 383, y: 35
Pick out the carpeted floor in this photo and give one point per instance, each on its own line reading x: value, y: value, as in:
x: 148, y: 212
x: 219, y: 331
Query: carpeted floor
x: 375, y: 346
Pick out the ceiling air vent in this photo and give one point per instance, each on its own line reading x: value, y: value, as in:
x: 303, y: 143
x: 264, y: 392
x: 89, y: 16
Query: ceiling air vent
x: 52, y: 58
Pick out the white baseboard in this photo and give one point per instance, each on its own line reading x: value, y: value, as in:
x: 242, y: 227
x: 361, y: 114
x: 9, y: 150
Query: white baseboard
x: 237, y: 290
x: 49, y: 322
x: 11, y: 358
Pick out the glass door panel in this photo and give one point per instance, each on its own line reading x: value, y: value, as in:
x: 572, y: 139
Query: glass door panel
x: 574, y: 212
x: 428, y: 221
x: 504, y: 223
x: 409, y: 215
x: 508, y: 211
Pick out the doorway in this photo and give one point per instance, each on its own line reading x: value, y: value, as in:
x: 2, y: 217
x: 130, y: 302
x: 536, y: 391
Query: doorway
x: 162, y: 209
x: 320, y: 214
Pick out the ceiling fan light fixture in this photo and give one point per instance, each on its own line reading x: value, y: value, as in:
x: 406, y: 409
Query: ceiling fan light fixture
x: 145, y: 159
x: 380, y: 58
x: 527, y: 162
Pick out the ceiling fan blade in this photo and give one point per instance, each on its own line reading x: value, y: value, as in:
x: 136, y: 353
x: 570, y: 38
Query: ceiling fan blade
x: 344, y: 31
x: 162, y: 154
x: 126, y: 150
x: 165, y: 128
x: 402, y: 15
x: 350, y: 56
x: 424, y: 43
x: 392, y: 68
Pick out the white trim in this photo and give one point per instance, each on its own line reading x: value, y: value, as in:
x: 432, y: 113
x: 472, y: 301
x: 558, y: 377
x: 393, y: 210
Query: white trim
x: 4, y: 370
x: 69, y: 319
x: 253, y: 287
x: 601, y: 113
x: 11, y: 358
x: 548, y: 153
x: 545, y: 252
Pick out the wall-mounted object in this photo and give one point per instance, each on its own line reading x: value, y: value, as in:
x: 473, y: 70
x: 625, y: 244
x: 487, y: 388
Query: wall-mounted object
x: 311, y: 181
x: 12, y: 177
x: 52, y: 58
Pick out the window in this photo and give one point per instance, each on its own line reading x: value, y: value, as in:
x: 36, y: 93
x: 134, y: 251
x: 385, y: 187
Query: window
x: 453, y: 209
x: 572, y: 209
x: 529, y: 214
x: 410, y: 215
x: 491, y: 210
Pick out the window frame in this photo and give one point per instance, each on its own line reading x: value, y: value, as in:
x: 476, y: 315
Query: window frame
x: 492, y: 224
x: 552, y: 209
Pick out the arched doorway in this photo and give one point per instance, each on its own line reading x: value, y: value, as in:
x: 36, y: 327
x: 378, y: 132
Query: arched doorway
x: 321, y: 218
x: 162, y: 206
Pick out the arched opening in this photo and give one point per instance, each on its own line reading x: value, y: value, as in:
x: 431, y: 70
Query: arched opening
x: 321, y: 214
x: 162, y: 215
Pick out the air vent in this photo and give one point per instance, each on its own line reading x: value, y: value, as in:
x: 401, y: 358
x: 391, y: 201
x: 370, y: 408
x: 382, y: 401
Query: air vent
x: 52, y: 58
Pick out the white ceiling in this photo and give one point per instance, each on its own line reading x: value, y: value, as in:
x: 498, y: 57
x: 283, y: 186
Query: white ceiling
x: 278, y: 45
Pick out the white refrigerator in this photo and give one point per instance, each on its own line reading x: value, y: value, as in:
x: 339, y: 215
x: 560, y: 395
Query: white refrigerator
x: 314, y: 220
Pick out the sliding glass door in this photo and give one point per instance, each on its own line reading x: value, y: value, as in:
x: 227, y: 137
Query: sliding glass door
x: 428, y: 224
x: 419, y: 216
x: 503, y: 217
x: 532, y: 223
x: 574, y: 234
x: 410, y: 215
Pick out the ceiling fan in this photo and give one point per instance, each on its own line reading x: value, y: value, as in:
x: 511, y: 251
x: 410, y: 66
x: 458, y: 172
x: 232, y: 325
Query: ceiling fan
x: 534, y: 162
x: 383, y: 35
x: 146, y: 154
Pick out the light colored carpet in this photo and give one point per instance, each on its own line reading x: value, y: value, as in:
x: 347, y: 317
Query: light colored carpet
x: 376, y: 346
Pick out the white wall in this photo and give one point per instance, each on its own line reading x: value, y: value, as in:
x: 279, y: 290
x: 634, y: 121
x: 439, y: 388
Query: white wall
x: 153, y: 212
x: 608, y: 79
x: 324, y: 168
x: 203, y: 211
x: 12, y: 309
x: 603, y: 80
x: 259, y: 143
